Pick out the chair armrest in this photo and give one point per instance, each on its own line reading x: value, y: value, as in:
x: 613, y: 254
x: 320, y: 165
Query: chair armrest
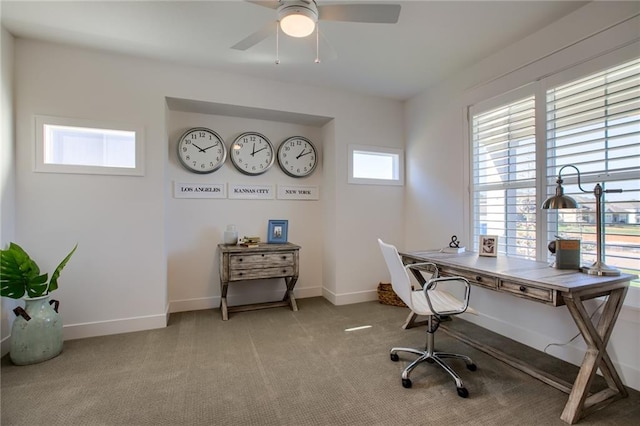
x: 414, y: 266
x: 433, y: 283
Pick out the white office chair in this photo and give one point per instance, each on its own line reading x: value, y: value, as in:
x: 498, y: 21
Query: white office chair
x: 431, y: 301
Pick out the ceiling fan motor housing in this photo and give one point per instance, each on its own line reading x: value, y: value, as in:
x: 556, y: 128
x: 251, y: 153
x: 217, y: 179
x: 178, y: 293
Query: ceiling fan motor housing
x: 307, y: 9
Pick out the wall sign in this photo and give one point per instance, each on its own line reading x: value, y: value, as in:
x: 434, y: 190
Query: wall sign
x: 251, y: 192
x: 199, y: 190
x: 298, y: 192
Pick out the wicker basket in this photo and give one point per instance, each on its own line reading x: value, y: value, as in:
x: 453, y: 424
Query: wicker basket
x: 387, y: 296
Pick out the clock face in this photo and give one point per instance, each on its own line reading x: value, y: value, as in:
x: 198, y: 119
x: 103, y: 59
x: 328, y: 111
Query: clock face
x: 201, y: 150
x: 252, y: 153
x: 297, y: 157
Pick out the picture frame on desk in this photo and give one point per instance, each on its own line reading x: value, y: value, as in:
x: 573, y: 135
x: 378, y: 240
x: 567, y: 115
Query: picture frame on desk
x: 277, y: 231
x: 488, y: 245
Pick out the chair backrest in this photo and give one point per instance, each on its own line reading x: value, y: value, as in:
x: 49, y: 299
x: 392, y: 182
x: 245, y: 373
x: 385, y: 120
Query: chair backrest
x: 400, y: 280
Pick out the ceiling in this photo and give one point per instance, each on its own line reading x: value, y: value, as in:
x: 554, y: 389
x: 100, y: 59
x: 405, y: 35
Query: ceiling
x: 431, y: 40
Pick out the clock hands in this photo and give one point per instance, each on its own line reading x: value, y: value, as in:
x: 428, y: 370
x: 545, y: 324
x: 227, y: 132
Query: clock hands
x: 255, y: 152
x: 209, y: 147
x: 205, y: 149
x: 302, y: 153
x: 201, y: 150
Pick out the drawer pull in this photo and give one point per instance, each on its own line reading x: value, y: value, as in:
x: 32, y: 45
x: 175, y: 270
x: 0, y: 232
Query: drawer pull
x: 479, y: 278
x: 523, y: 288
x: 240, y: 260
x: 240, y: 273
x: 284, y: 271
x: 262, y: 254
x: 284, y: 257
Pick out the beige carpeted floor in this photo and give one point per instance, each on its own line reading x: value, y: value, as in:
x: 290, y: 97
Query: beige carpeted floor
x: 278, y: 367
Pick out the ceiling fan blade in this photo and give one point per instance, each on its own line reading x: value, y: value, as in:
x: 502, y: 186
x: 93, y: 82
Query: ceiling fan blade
x: 256, y: 37
x: 369, y: 13
x: 273, y: 4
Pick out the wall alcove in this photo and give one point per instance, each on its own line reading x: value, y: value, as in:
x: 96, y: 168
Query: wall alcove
x: 194, y: 227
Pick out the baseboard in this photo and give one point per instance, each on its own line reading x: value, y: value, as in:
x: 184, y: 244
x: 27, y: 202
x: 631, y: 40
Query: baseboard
x: 350, y: 298
x: 117, y: 326
x: 5, y: 345
x: 572, y: 353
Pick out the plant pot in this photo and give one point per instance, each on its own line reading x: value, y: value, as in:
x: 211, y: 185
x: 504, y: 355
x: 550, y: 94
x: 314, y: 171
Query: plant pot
x: 36, y: 334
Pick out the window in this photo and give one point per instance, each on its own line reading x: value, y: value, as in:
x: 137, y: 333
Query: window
x: 591, y: 122
x: 80, y: 146
x: 504, y: 176
x: 594, y: 124
x: 375, y: 165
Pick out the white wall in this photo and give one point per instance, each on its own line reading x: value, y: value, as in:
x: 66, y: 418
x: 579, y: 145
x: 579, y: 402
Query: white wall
x: 140, y: 251
x: 7, y: 171
x: 438, y: 168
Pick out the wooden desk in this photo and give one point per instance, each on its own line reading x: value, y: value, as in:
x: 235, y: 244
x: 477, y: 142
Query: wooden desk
x: 538, y: 282
x: 238, y: 263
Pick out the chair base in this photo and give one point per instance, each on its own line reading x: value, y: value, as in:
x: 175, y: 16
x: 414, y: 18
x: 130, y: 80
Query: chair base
x: 437, y: 358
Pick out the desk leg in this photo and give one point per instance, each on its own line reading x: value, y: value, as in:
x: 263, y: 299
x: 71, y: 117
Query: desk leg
x: 290, y: 283
x: 580, y: 403
x: 223, y: 300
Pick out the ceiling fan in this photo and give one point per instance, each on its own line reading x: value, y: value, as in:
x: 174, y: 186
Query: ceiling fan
x: 298, y: 18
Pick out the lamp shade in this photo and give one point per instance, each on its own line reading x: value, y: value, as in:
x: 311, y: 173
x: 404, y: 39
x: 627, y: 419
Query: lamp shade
x: 560, y: 202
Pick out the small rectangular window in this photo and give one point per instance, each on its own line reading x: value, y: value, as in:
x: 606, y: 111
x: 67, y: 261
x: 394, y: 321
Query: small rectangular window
x: 376, y: 165
x: 80, y: 146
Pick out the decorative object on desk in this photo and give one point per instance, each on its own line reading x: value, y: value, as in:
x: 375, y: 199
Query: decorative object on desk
x: 488, y: 245
x: 36, y: 334
x: 250, y: 241
x: 277, y: 231
x: 297, y: 157
x: 252, y: 153
x: 454, y: 246
x: 201, y: 150
x: 567, y: 253
x: 231, y: 235
x: 387, y: 296
x: 561, y: 201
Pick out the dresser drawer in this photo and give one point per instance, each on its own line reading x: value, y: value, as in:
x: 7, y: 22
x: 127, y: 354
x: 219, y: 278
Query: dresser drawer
x: 478, y: 279
x: 261, y: 260
x: 253, y: 274
x: 528, y: 291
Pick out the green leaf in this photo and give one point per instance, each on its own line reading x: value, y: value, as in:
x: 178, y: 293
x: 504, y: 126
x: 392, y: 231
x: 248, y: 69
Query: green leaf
x: 53, y: 285
x: 17, y: 270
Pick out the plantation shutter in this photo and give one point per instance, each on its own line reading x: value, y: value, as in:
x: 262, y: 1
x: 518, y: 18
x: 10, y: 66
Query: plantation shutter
x: 594, y: 124
x: 504, y: 176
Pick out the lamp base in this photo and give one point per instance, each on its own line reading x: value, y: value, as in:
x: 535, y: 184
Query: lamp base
x: 600, y: 269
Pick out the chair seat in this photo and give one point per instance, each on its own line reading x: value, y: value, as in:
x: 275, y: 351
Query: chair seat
x: 441, y: 300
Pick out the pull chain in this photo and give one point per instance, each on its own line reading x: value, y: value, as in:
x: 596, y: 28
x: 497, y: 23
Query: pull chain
x: 317, y: 61
x: 278, y: 43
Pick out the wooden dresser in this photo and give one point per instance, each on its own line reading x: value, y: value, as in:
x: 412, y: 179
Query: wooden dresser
x: 239, y: 263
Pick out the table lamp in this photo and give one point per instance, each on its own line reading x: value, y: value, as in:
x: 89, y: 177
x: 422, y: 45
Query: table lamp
x: 561, y: 201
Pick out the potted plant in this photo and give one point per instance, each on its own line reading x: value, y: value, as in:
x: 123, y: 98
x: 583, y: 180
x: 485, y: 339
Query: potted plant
x: 36, y: 334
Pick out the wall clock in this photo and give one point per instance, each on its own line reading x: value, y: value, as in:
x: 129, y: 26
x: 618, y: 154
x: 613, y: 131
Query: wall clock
x: 252, y: 153
x: 201, y: 150
x: 297, y: 157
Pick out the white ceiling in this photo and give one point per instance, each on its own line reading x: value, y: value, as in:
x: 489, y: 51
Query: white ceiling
x: 431, y: 40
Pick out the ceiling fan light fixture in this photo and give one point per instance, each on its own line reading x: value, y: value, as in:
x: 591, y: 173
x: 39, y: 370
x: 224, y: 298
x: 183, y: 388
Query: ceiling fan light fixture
x: 298, y: 20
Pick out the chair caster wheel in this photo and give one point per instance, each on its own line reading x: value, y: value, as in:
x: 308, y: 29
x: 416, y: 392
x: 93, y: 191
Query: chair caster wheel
x: 472, y: 367
x: 394, y: 357
x: 463, y: 392
x: 406, y: 383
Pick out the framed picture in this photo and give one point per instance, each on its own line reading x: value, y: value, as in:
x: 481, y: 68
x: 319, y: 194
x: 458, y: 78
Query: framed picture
x: 277, y: 232
x: 488, y: 245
